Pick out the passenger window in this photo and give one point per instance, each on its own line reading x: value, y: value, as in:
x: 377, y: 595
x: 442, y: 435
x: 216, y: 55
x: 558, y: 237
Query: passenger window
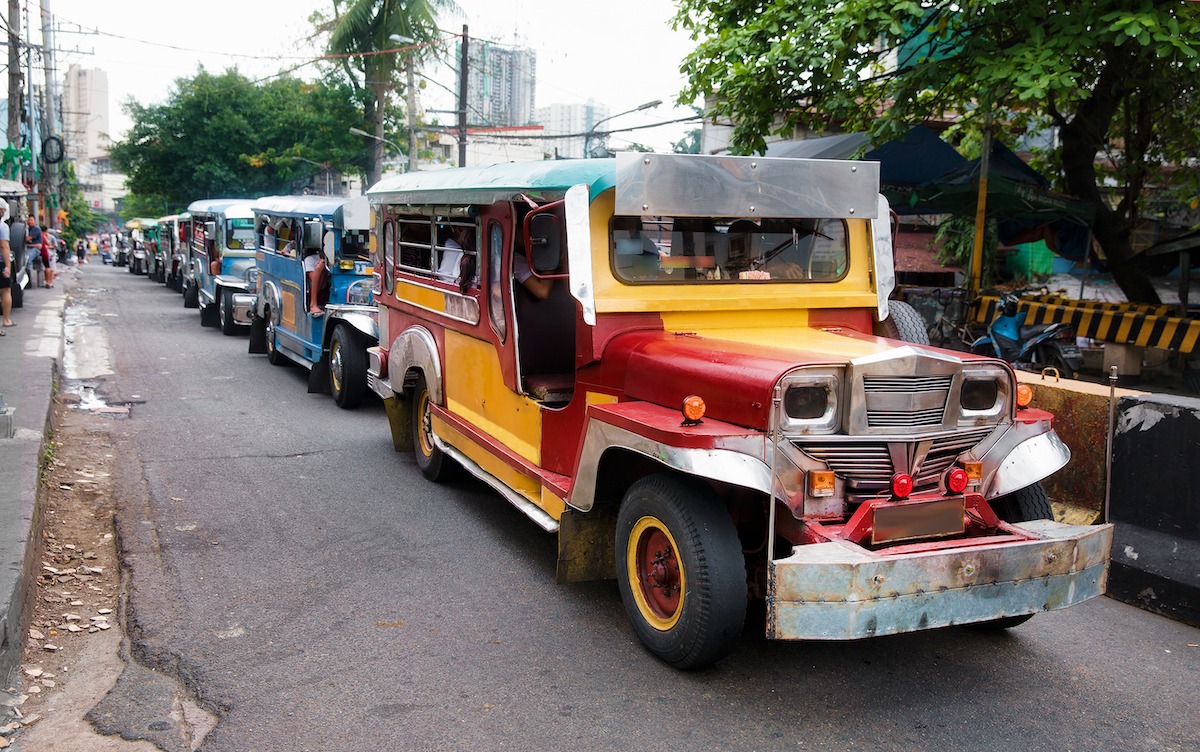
x: 496, y: 279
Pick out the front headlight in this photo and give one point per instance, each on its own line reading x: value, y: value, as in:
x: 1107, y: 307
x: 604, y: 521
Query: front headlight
x: 811, y: 400
x: 985, y: 393
x: 359, y: 293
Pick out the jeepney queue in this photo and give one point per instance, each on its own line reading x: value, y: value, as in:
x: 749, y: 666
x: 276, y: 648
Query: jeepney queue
x: 687, y: 368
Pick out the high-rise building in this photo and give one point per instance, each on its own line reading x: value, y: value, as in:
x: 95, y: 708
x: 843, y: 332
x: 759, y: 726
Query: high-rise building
x: 85, y: 114
x: 500, y: 84
x: 571, y: 121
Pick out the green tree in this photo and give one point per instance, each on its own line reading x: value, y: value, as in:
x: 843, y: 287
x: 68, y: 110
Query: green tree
x: 80, y: 217
x: 223, y: 135
x: 1117, y: 78
x: 361, y: 31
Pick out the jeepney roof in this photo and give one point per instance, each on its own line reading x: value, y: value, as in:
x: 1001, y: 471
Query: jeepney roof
x: 168, y: 218
x: 141, y: 223
x: 230, y: 207
x: 304, y: 206
x: 502, y: 182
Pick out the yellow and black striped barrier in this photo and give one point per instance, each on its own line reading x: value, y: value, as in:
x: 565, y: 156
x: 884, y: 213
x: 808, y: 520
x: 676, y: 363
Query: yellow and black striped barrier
x: 1098, y: 305
x: 1119, y: 323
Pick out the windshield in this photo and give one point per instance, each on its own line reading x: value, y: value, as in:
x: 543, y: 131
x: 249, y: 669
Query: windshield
x: 239, y: 234
x: 690, y: 250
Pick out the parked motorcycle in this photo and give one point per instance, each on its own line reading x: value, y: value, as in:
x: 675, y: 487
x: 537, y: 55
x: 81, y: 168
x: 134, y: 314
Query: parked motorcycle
x: 1030, y: 348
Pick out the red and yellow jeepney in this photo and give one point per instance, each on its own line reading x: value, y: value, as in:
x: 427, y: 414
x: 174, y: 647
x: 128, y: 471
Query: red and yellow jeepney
x: 688, y: 368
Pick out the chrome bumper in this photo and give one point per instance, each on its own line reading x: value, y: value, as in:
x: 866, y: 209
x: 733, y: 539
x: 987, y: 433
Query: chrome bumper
x: 375, y: 382
x: 243, y: 307
x: 839, y: 591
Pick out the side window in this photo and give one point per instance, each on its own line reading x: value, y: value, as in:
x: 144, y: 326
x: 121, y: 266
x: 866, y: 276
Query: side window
x: 496, y: 279
x: 389, y: 256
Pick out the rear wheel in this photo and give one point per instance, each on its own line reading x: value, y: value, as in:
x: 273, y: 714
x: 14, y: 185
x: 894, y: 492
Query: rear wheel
x: 347, y: 368
x: 434, y: 463
x: 1048, y: 355
x: 903, y: 323
x: 274, y: 357
x: 680, y: 570
x: 1029, y: 503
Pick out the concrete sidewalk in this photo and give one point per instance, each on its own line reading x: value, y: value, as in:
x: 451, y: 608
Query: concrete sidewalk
x: 29, y: 356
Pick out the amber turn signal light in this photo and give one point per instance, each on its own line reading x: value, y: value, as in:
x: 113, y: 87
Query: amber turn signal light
x: 974, y: 471
x: 693, y: 409
x: 820, y: 483
x: 1024, y: 395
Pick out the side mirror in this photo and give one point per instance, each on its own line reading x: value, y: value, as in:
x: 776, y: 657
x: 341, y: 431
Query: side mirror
x: 210, y: 229
x: 545, y: 243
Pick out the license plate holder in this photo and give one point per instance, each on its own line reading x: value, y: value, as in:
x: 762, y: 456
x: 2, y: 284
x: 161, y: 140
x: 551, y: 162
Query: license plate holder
x: 937, y: 518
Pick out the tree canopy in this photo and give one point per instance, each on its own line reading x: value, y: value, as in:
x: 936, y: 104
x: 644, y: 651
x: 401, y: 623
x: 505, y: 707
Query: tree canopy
x: 1117, y: 79
x: 361, y: 32
x: 224, y: 135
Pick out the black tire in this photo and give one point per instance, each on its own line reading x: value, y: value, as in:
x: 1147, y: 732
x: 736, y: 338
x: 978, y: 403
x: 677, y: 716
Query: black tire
x: 274, y: 357
x: 903, y: 323
x: 1029, y: 503
x: 191, y: 295
x: 1048, y: 355
x: 347, y: 368
x: 229, y: 326
x: 675, y: 533
x: 434, y: 463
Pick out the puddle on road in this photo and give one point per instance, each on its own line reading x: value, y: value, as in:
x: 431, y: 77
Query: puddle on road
x: 86, y: 356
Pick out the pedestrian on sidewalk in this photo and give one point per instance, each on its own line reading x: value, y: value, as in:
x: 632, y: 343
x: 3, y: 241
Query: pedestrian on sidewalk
x: 7, y: 279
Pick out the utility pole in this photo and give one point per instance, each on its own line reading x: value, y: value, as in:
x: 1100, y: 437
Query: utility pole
x: 50, y: 129
x: 464, y: 71
x: 30, y: 114
x: 412, y: 113
x: 14, y: 72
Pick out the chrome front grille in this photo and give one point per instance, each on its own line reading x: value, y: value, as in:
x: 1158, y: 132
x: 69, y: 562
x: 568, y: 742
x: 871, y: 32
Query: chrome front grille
x: 867, y: 466
x: 906, y: 401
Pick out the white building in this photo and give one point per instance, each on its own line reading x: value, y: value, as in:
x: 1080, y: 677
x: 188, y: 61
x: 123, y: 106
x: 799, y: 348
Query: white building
x: 86, y: 137
x: 572, y: 119
x: 500, y: 84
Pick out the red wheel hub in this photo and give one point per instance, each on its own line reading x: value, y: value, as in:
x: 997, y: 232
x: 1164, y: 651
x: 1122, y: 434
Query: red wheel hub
x: 658, y: 573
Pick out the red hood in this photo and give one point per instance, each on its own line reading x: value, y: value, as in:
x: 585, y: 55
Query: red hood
x: 734, y: 378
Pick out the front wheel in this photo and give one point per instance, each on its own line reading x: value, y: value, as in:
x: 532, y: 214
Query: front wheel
x: 347, y: 369
x: 434, y: 463
x: 1024, y: 505
x: 680, y: 570
x: 229, y: 326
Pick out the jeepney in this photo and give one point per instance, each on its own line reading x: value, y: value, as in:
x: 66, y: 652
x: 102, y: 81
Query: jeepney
x: 167, y: 266
x: 221, y: 261
x: 701, y: 402
x: 143, y: 233
x: 332, y: 343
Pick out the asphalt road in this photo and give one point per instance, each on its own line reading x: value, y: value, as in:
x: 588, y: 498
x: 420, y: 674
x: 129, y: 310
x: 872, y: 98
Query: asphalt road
x: 314, y: 590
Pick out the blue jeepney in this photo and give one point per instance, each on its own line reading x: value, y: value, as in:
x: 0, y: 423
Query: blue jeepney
x: 328, y: 331
x: 221, y: 261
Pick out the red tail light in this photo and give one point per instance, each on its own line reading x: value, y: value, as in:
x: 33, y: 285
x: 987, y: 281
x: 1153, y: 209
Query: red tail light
x: 957, y: 479
x: 902, y: 485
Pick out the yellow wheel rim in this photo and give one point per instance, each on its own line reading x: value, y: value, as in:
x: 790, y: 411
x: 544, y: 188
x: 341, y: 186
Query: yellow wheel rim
x: 655, y: 573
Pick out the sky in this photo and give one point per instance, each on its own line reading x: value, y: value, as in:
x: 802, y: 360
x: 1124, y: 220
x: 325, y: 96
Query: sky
x: 620, y: 53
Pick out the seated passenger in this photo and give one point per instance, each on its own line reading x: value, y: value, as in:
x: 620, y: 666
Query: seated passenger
x: 461, y: 239
x: 314, y: 270
x: 538, y: 287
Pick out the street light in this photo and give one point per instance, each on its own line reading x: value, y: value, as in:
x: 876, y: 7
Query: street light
x: 325, y: 167
x: 361, y: 132
x: 587, y: 137
x: 410, y: 95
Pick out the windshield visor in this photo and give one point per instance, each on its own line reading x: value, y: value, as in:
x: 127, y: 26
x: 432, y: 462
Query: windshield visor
x: 688, y: 250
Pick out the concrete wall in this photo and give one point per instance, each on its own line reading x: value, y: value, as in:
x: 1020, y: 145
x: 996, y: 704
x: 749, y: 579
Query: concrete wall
x: 1155, y: 494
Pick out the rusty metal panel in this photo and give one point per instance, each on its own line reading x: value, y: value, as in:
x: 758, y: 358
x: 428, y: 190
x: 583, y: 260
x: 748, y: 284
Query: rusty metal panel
x: 839, y: 591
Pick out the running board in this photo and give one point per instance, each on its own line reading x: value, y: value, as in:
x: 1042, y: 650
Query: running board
x: 531, y: 510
